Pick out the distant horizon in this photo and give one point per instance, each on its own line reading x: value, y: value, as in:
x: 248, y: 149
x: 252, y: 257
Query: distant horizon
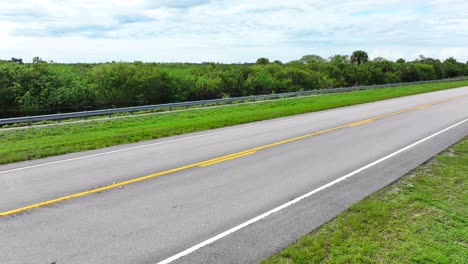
x: 206, y: 62
x: 227, y: 31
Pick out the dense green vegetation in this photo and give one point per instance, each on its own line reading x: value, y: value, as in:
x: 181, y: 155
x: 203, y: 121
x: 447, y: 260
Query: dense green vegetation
x: 33, y: 143
x: 41, y: 87
x: 420, y: 219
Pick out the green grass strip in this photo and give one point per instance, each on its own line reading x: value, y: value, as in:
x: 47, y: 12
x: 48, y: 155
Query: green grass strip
x: 423, y: 218
x: 34, y: 143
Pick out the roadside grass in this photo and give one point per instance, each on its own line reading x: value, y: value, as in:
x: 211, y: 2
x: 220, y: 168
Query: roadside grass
x: 423, y: 218
x: 40, y: 142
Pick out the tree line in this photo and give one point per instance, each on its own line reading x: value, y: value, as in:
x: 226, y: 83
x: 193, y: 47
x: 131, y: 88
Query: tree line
x: 44, y: 87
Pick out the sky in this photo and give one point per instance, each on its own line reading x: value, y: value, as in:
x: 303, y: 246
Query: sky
x: 230, y: 31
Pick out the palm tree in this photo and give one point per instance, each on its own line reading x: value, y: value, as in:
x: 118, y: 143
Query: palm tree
x: 359, y: 57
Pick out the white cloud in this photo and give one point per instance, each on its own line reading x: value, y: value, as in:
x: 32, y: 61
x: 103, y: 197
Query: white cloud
x: 229, y: 31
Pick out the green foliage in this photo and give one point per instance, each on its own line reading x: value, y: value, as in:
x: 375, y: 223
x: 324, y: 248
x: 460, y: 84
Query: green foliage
x: 42, y: 88
x: 232, y: 81
x: 114, y: 83
x: 261, y: 82
x: 263, y: 61
x: 452, y: 67
x: 312, y: 59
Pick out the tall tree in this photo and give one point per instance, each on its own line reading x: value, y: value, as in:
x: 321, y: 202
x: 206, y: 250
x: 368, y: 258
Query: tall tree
x: 17, y: 60
x: 263, y: 61
x: 400, y: 60
x: 359, y: 57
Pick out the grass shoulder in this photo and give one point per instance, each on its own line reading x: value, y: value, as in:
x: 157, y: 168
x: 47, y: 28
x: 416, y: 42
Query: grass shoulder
x: 34, y: 143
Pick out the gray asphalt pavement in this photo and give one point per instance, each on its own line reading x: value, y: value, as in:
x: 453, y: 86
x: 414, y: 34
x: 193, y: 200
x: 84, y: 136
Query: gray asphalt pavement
x: 152, y: 220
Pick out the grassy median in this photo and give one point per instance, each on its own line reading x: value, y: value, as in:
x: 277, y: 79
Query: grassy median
x: 423, y: 218
x: 26, y: 144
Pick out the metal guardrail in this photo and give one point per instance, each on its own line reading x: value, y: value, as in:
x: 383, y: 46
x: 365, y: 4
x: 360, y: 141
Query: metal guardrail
x: 84, y: 114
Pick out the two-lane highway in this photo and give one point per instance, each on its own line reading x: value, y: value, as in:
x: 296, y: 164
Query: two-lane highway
x: 150, y: 201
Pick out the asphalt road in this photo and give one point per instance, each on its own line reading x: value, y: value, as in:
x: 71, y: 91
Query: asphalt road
x: 185, y: 200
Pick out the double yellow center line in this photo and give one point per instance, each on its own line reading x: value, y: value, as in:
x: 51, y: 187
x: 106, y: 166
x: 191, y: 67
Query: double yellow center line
x: 216, y: 160
x: 225, y: 158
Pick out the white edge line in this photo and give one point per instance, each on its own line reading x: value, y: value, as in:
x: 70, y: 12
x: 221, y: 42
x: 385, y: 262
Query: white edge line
x: 264, y: 123
x: 158, y: 143
x: 260, y: 217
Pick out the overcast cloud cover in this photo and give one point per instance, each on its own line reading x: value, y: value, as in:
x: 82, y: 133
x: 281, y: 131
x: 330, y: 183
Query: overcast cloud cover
x: 230, y: 31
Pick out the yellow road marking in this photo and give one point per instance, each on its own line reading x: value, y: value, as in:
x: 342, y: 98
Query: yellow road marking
x: 216, y: 160
x: 361, y: 122
x: 422, y: 106
x: 100, y: 189
x: 225, y: 159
